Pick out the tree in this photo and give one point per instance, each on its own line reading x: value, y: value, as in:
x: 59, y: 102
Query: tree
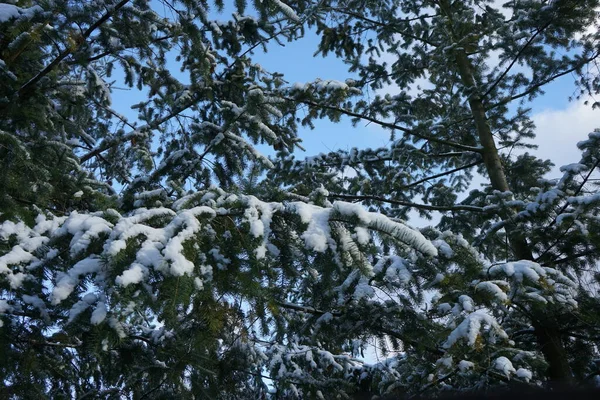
x: 116, y: 281
x: 474, y: 106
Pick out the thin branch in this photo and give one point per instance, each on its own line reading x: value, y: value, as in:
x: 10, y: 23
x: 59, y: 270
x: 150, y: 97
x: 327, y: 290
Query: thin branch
x: 441, y: 174
x: 408, y: 204
x: 571, y: 258
x: 534, y: 87
x: 109, y: 52
x: 432, y: 384
x: 145, y: 395
x: 306, y: 309
x: 54, y: 344
x: 516, y: 58
x: 404, y: 339
x: 68, y: 51
x: 387, y: 25
x: 387, y: 125
x: 111, y: 143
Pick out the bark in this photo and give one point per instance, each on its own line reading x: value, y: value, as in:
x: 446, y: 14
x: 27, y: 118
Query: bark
x: 546, y: 329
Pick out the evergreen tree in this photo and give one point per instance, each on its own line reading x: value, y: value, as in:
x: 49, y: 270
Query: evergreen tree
x: 146, y: 257
x: 465, y: 72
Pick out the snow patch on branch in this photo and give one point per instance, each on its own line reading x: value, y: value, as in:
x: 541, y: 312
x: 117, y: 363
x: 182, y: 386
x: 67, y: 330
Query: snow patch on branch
x: 471, y: 328
x: 287, y: 10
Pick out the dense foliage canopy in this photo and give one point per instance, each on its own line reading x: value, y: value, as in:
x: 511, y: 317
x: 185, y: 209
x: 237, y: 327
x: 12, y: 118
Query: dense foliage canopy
x: 157, y: 252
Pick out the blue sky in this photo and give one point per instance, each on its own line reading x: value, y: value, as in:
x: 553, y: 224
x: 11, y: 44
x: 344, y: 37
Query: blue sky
x: 560, y: 123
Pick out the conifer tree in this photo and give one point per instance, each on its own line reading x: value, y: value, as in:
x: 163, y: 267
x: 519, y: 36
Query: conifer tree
x: 464, y: 72
x: 146, y: 256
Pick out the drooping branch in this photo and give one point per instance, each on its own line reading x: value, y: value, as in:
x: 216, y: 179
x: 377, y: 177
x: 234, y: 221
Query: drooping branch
x: 408, y: 203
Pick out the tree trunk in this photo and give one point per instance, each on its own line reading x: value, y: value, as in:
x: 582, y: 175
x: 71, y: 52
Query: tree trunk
x: 547, y: 334
x: 546, y: 330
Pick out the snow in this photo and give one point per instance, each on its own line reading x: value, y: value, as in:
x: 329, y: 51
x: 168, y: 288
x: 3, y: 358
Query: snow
x: 363, y: 289
x: 492, y: 288
x: 67, y: 282
x: 380, y: 222
x: 78, y: 308
x: 520, y: 270
x: 443, y: 248
x: 464, y: 365
x: 118, y: 327
x: 84, y: 229
x: 9, y: 11
x: 362, y: 235
x: 537, y: 283
x: 133, y: 275
x: 327, y: 86
x: 17, y: 255
x: 37, y: 303
x: 173, y: 251
x: 318, y: 232
x: 466, y: 302
x: 99, y: 314
x: 395, y: 268
x: 443, y: 308
x: 287, y: 10
x: 574, y: 168
x: 470, y: 328
x: 524, y: 374
x: 504, y: 365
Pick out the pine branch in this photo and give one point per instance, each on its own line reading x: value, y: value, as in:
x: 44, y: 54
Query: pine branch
x: 112, y: 143
x: 441, y: 174
x: 536, y: 86
x: 394, y: 334
x: 305, y: 309
x: 68, y: 51
x: 563, y: 209
x: 515, y: 59
x: 387, y: 25
x: 387, y: 125
x: 408, y: 204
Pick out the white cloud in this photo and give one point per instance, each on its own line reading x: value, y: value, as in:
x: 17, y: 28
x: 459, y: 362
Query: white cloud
x: 558, y: 132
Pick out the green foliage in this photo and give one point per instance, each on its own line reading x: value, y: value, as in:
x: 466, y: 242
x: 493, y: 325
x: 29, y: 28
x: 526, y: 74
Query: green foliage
x: 162, y: 255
